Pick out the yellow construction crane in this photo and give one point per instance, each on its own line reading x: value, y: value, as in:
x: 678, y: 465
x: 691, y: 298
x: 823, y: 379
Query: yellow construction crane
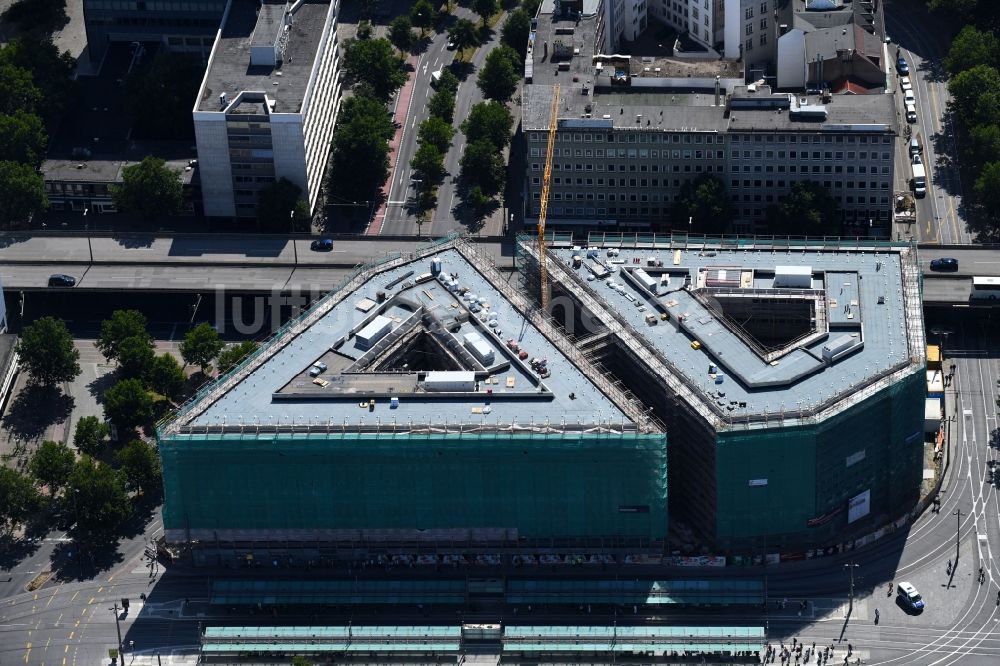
x: 543, y: 269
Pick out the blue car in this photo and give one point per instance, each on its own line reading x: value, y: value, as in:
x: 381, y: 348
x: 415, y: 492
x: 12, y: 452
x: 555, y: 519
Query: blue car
x: 901, y: 66
x: 944, y: 264
x: 321, y: 245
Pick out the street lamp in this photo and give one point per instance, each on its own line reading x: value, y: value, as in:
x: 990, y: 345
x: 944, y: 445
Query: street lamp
x: 958, y: 529
x: 118, y: 627
x: 850, y: 568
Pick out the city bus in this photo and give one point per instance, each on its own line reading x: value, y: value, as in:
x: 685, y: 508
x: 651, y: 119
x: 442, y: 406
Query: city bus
x: 986, y: 287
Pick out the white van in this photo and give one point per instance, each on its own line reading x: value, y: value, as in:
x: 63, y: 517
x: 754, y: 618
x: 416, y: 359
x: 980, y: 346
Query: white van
x: 435, y: 78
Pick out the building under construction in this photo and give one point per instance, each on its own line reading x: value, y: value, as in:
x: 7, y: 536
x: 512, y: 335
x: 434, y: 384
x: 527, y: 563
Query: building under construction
x: 789, y: 375
x: 428, y: 402
x: 424, y: 402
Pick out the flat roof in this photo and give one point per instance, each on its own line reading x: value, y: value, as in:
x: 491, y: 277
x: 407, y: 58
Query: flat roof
x: 871, y: 295
x: 230, y: 70
x: 275, y: 388
x: 688, y: 111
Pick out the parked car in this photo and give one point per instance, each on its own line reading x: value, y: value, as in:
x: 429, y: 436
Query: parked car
x: 915, y: 146
x: 62, y: 280
x: 905, y: 84
x: 317, y: 369
x: 321, y: 245
x: 944, y: 264
x: 908, y: 97
x: 911, y: 113
x: 916, y: 159
x: 909, y: 596
x: 901, y: 66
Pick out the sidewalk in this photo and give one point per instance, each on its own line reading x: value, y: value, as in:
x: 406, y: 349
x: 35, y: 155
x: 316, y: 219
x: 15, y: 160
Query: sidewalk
x: 402, y: 112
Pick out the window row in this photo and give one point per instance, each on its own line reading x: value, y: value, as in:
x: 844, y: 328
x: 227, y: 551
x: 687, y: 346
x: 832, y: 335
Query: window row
x: 835, y: 184
x: 632, y: 153
x: 805, y: 155
x: 792, y: 168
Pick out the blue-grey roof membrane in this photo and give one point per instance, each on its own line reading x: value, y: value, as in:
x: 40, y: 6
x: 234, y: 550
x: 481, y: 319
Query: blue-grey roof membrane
x: 804, y: 381
x: 250, y: 401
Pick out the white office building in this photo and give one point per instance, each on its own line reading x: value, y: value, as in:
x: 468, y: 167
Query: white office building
x: 267, y: 104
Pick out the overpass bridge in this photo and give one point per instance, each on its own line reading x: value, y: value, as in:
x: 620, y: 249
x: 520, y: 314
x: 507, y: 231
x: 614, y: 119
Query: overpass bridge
x: 286, y: 264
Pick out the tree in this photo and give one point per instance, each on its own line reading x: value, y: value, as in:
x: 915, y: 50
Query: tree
x: 479, y: 201
x: 299, y: 660
x: 91, y: 435
x: 490, y: 121
x: 463, y: 33
x: 970, y: 48
x: 149, y: 189
x: 233, y: 354
x: 140, y: 465
x: 17, y: 91
x: 448, y: 81
x: 51, y: 464
x: 442, y: 105
x: 499, y: 76
x: 705, y: 202
x: 200, y: 346
x: 422, y: 15
x: 41, y: 16
x: 166, y: 376
x: 121, y: 325
x: 976, y: 94
x: 401, y: 33
x: 984, y: 145
x: 987, y: 189
x: 360, y: 149
x: 516, y: 30
x: 428, y: 161
x: 22, y: 192
x: 98, y: 495
x: 51, y: 72
x: 46, y: 351
x: 280, y: 207
x: 172, y: 79
x: 960, y: 10
x: 19, y: 499
x: 128, y: 404
x: 485, y: 8
x: 482, y: 165
x: 436, y: 132
x: 22, y: 138
x: 373, y: 61
x: 807, y: 210
x: 135, y: 356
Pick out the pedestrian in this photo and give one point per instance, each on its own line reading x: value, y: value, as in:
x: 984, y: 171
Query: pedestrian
x: 850, y: 649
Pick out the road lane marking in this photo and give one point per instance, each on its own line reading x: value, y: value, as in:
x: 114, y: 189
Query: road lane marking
x: 71, y: 635
x: 27, y: 654
x: 75, y: 595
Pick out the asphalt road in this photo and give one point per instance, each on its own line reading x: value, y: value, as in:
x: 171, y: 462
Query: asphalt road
x: 236, y: 264
x: 398, y: 220
x: 940, y: 217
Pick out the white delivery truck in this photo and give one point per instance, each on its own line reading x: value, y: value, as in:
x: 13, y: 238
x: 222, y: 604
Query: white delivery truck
x: 919, y: 180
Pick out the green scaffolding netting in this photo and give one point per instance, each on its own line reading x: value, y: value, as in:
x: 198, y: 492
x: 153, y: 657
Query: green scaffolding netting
x: 543, y: 485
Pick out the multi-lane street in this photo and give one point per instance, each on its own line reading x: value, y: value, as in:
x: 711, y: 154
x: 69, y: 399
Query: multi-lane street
x: 399, y: 217
x: 940, y: 216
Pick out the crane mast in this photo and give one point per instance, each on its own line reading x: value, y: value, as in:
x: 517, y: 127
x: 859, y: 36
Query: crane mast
x: 546, y: 181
